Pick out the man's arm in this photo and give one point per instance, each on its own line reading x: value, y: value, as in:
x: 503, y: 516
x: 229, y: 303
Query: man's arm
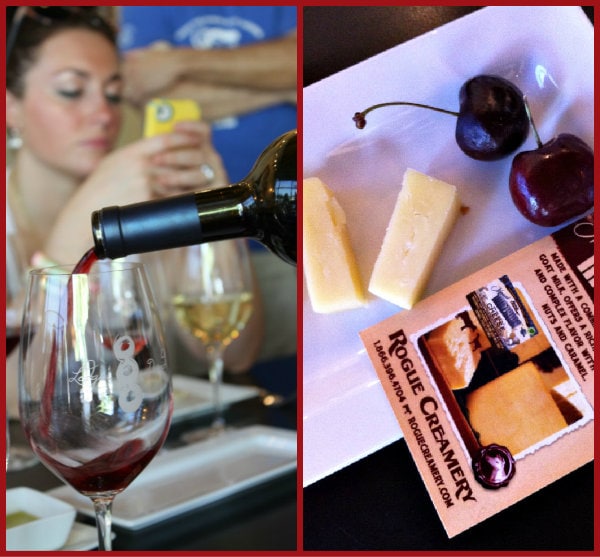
x: 268, y: 66
x: 221, y: 102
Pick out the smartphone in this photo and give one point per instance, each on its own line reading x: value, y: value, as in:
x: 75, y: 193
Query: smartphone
x: 161, y: 115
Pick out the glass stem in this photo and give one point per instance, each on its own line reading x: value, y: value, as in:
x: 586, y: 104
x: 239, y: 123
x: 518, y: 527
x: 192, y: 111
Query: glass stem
x: 103, y: 509
x: 215, y: 374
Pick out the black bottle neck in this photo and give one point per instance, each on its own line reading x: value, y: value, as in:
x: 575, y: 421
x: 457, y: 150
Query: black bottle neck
x: 177, y: 221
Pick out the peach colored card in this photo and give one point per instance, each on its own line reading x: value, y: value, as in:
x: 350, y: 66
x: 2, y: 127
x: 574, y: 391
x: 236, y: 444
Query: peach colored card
x: 492, y: 378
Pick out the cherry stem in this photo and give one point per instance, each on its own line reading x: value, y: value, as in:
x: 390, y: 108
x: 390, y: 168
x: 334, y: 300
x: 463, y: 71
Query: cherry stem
x: 530, y: 118
x: 361, y: 122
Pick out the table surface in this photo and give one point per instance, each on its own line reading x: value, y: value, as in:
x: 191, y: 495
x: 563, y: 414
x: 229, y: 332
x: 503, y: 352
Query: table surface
x: 262, y: 518
x: 380, y: 502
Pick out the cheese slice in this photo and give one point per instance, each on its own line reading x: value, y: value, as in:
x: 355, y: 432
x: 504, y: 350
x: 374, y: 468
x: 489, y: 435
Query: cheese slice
x: 515, y: 410
x: 425, y: 212
x: 332, y: 277
x: 457, y: 346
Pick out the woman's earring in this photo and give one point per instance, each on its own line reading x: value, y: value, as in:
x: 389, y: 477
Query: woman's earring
x: 13, y: 139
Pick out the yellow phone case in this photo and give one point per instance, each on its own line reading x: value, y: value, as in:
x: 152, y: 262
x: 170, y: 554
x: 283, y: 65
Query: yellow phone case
x: 162, y: 114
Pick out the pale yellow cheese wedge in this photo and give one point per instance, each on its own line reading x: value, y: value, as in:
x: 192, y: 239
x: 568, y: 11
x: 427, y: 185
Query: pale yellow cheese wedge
x: 514, y: 410
x: 457, y: 351
x: 332, y: 276
x: 425, y: 212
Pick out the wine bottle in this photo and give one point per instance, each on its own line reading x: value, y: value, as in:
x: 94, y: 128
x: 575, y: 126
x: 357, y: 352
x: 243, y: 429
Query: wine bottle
x: 262, y: 206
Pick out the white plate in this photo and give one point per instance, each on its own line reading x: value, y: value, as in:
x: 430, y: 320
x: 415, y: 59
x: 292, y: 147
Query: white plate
x: 548, y: 53
x: 195, y: 475
x: 193, y: 397
x: 53, y: 520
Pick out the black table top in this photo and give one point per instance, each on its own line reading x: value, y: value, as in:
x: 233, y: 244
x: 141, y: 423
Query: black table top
x: 262, y: 518
x: 337, y: 37
x: 380, y: 502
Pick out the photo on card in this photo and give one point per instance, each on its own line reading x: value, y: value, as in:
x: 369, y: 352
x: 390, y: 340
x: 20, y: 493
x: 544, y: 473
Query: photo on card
x: 501, y: 378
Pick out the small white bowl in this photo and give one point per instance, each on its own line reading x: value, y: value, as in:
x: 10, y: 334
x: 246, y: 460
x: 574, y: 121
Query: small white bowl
x: 48, y: 531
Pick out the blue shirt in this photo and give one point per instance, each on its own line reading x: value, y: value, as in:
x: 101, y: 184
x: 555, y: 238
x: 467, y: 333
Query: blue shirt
x: 240, y: 139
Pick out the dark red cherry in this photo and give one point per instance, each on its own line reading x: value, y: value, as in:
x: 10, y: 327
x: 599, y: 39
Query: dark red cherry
x: 492, y: 120
x: 491, y: 123
x: 555, y: 182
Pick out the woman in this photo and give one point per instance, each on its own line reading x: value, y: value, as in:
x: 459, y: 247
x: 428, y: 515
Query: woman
x: 63, y: 100
x: 63, y: 97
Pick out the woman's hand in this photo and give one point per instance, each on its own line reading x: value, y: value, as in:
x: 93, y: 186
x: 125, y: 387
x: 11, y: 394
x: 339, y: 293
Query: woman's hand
x: 201, y: 166
x: 158, y: 166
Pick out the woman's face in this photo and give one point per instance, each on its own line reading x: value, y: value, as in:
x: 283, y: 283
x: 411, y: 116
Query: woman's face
x: 69, y: 117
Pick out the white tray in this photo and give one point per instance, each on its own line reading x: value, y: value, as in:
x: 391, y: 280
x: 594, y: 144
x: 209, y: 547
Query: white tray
x: 193, y: 397
x: 548, y: 52
x: 186, y: 478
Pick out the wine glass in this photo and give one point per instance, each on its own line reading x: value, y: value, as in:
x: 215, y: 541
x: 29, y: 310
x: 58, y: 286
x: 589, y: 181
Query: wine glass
x: 213, y: 301
x: 95, y: 411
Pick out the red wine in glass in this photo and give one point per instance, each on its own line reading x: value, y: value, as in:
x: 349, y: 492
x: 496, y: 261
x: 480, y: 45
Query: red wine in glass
x: 110, y: 472
x: 96, y: 417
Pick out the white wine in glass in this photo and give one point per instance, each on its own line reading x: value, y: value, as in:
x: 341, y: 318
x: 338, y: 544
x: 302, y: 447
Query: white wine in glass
x: 95, y: 412
x: 213, y: 301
